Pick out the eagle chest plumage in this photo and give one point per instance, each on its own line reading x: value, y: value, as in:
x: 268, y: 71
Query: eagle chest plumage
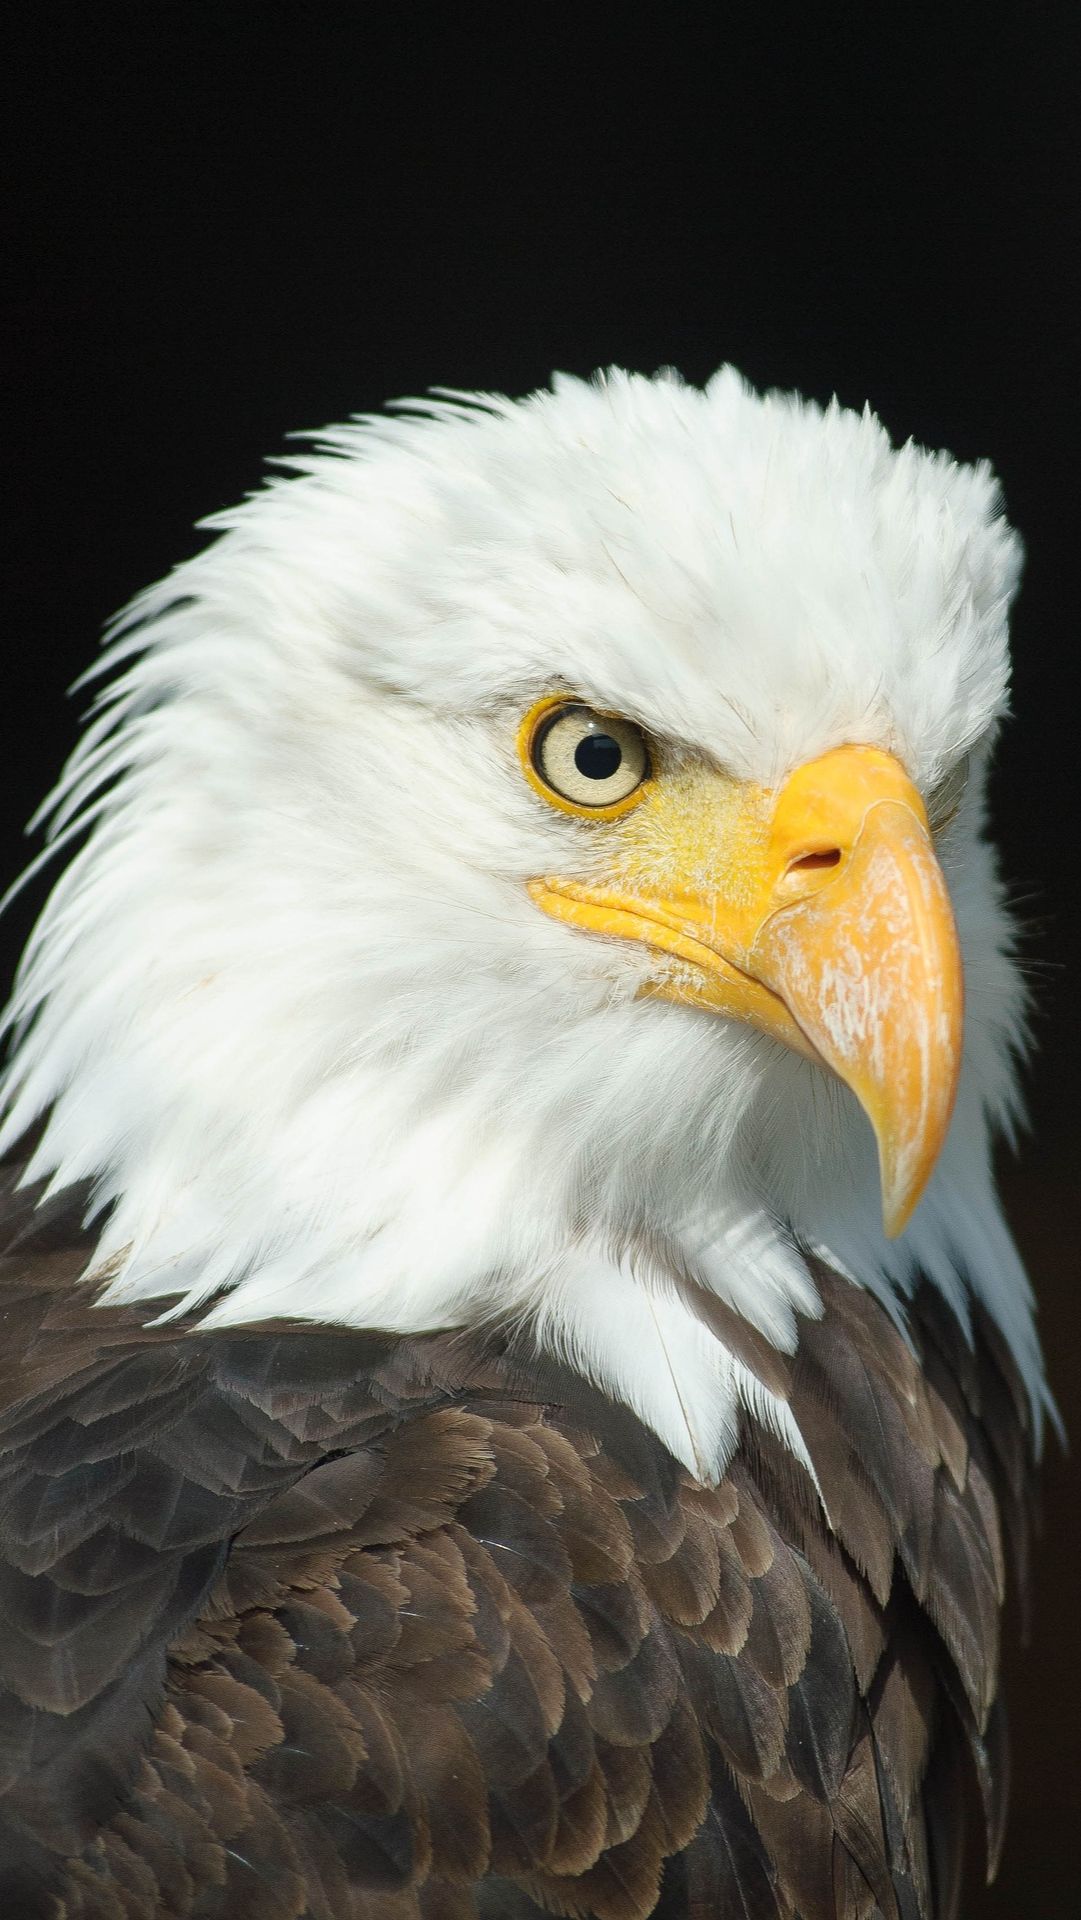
x: 310, y: 1622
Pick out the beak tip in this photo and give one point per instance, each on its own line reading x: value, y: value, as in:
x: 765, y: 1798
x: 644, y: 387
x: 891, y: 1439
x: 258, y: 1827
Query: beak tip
x: 900, y: 1198
x: 894, y: 1220
x: 905, y: 1169
x: 901, y: 1183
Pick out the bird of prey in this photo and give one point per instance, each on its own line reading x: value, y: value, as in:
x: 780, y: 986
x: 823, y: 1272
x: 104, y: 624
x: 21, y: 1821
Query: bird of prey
x: 517, y: 1394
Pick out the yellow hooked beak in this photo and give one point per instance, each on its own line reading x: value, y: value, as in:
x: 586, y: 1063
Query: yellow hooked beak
x: 817, y: 913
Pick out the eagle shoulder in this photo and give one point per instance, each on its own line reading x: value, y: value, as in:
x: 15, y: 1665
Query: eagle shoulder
x: 301, y: 1622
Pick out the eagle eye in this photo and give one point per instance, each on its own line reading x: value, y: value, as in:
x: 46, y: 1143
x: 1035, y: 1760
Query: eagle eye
x: 585, y: 762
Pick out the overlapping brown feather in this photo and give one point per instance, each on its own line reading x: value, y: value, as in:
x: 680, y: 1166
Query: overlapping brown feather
x: 301, y: 1623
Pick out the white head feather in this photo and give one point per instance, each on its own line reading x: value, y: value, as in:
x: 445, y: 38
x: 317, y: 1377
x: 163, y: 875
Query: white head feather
x: 291, y: 1008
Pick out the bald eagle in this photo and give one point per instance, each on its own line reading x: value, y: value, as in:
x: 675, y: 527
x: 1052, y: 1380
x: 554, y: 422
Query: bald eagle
x: 517, y: 1394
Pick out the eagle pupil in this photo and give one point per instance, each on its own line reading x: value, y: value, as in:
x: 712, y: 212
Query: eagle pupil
x: 598, y: 756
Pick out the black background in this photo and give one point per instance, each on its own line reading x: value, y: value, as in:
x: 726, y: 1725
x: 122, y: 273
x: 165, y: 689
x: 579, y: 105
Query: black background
x: 230, y: 221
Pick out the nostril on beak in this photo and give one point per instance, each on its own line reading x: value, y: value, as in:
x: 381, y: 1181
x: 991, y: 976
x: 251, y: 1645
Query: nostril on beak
x: 809, y: 862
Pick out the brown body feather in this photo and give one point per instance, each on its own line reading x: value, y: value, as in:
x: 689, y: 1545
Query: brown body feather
x: 308, y: 1624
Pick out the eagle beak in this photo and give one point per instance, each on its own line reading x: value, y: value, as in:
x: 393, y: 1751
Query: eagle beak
x: 817, y: 913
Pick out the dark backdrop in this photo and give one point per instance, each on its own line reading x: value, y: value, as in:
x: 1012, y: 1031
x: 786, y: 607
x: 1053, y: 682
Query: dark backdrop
x: 230, y: 221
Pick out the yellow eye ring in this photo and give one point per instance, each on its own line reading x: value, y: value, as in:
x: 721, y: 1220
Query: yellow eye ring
x: 538, y: 724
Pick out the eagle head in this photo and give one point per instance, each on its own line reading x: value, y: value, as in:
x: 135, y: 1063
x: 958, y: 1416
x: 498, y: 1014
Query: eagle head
x: 536, y: 877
